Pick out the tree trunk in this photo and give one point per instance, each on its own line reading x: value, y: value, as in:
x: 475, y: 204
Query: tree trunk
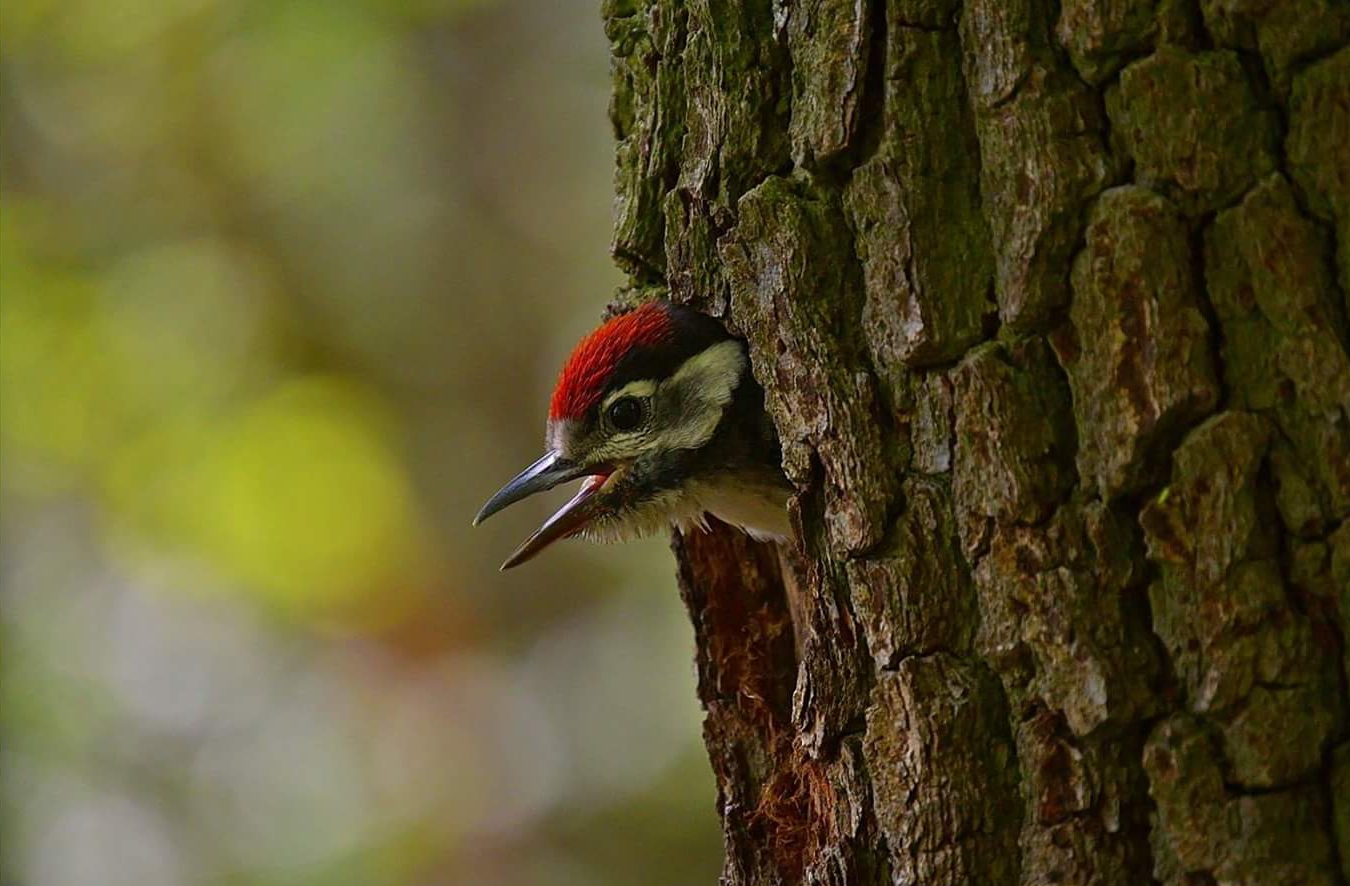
x: 1049, y: 302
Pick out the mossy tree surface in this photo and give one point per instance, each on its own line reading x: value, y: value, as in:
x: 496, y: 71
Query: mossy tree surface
x: 1050, y: 304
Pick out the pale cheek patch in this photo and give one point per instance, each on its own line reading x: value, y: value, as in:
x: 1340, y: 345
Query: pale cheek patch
x: 705, y: 383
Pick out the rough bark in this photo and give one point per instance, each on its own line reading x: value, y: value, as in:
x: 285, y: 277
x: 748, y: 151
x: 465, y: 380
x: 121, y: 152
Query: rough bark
x: 1049, y: 301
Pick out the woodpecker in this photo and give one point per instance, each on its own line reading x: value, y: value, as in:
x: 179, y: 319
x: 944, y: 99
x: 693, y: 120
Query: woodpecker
x: 657, y: 412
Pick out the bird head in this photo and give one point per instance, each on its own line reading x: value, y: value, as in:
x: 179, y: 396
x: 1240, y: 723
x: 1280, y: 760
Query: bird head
x: 657, y: 414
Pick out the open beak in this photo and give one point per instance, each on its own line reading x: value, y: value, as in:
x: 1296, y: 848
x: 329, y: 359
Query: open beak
x: 544, y: 474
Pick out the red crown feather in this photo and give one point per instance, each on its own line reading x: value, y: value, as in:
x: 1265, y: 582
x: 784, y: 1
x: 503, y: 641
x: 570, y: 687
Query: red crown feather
x: 582, y: 380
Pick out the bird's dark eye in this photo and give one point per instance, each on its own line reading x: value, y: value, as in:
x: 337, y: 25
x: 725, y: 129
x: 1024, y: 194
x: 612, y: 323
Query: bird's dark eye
x: 625, y: 413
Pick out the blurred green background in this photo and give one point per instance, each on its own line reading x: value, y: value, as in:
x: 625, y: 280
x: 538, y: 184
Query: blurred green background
x: 283, y: 289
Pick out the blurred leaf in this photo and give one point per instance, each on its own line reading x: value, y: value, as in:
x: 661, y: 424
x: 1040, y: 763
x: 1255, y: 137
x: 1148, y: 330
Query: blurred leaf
x: 55, y: 372
x: 92, y: 30
x: 301, y: 495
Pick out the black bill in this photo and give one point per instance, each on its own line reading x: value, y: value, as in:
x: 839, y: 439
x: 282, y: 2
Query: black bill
x: 544, y: 474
